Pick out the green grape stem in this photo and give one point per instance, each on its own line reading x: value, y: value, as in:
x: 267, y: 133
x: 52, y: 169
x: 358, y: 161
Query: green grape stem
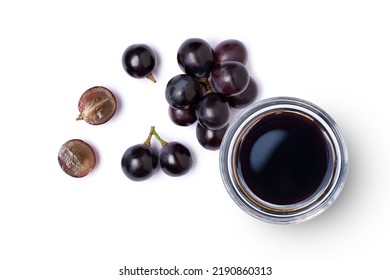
x: 148, y: 140
x: 204, y: 81
x: 151, y: 77
x: 80, y: 117
x: 155, y: 134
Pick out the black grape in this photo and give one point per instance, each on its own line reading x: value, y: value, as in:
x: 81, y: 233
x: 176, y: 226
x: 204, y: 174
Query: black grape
x: 213, y: 111
x: 182, y: 91
x: 231, y: 50
x: 195, y: 57
x: 210, y: 139
x: 139, y: 60
x: 244, y: 98
x: 182, y: 117
x: 139, y: 162
x: 229, y: 77
x: 175, y: 159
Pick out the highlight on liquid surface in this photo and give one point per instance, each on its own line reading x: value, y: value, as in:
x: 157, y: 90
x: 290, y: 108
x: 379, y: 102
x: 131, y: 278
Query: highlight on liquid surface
x: 284, y: 158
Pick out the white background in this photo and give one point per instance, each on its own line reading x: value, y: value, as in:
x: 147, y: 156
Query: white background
x: 333, y: 53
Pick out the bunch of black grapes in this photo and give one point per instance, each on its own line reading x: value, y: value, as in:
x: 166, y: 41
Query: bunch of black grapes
x: 214, y: 81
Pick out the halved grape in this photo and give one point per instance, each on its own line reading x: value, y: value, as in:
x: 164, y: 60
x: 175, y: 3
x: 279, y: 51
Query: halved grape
x: 213, y: 111
x: 76, y: 158
x: 229, y: 77
x: 97, y: 105
x: 195, y: 57
x: 231, y: 50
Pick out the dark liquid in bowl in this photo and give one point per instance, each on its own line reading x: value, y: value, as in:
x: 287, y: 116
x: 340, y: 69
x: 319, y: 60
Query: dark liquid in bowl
x: 284, y: 157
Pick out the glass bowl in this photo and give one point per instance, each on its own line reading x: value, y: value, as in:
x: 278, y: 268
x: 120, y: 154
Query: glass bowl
x: 282, y: 179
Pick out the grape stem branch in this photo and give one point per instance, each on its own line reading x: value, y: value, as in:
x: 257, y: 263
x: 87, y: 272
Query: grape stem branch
x: 205, y: 83
x: 152, y: 133
x: 151, y: 77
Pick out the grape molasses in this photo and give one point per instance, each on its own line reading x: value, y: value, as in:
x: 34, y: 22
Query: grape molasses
x: 284, y: 158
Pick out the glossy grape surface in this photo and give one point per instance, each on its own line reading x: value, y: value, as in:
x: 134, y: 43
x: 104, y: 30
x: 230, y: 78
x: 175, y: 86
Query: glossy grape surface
x: 97, y: 105
x: 182, y: 91
x: 210, y: 139
x: 244, y: 98
x: 139, y: 162
x: 182, y: 117
x: 229, y: 78
x: 231, y: 50
x: 139, y: 60
x: 195, y: 57
x: 76, y: 158
x: 213, y: 111
x: 175, y: 159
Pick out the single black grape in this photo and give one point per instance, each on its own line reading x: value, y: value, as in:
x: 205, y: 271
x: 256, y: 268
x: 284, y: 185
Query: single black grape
x: 231, y: 50
x: 175, y: 159
x: 139, y: 162
x: 182, y: 91
x: 195, y: 57
x: 182, y: 117
x: 213, y: 111
x: 139, y: 60
x: 229, y: 78
x: 244, y: 98
x: 210, y: 139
